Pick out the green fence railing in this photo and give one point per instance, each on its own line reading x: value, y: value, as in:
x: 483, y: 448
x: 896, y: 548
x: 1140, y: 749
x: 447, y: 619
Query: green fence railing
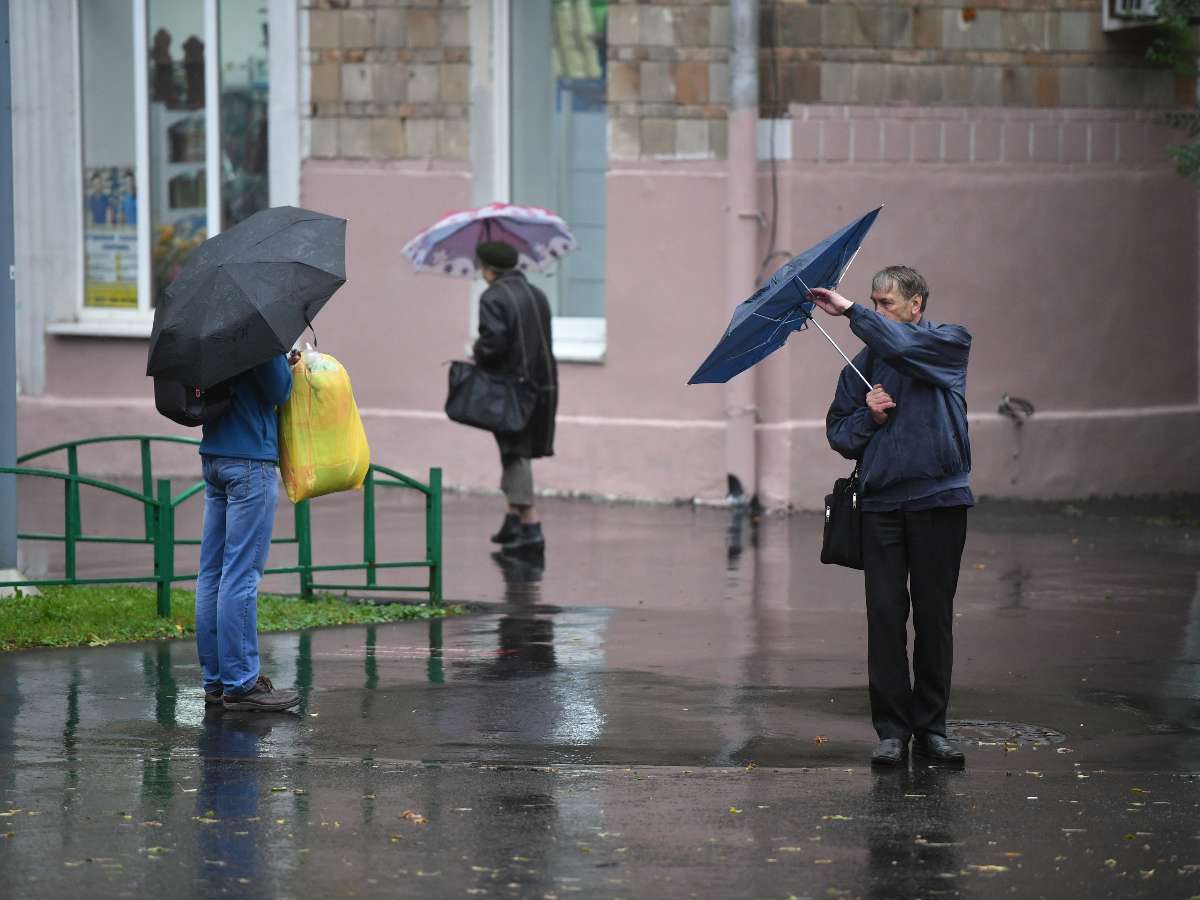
x: 159, y: 516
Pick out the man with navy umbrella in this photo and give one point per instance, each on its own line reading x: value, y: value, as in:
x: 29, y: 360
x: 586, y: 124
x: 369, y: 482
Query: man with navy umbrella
x: 909, y: 432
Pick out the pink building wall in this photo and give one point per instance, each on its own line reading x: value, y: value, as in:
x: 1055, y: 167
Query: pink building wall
x: 1062, y: 238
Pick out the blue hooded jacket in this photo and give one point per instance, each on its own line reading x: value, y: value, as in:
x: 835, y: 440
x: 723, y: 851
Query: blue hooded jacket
x: 249, y: 429
x: 923, y: 449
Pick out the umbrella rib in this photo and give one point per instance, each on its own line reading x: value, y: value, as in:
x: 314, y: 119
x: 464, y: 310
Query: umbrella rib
x: 285, y: 262
x: 783, y: 322
x: 257, y: 310
x: 285, y: 228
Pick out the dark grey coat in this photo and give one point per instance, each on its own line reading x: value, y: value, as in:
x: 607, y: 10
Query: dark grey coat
x: 515, y: 339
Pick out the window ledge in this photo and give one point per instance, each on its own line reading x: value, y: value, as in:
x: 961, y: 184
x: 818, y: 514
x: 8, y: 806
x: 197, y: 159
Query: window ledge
x: 136, y: 328
x: 578, y: 351
x: 580, y: 339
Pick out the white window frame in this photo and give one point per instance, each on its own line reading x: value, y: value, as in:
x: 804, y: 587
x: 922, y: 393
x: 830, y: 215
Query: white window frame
x: 283, y: 142
x: 576, y: 338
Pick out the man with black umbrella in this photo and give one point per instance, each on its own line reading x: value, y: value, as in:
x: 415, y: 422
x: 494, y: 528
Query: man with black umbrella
x: 514, y: 339
x: 240, y: 452
x: 242, y: 298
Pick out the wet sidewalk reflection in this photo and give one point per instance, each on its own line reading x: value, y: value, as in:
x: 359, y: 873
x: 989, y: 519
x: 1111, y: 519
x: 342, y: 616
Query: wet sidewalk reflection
x: 665, y: 693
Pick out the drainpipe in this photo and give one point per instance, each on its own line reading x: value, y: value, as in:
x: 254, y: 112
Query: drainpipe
x: 8, y: 316
x: 741, y: 232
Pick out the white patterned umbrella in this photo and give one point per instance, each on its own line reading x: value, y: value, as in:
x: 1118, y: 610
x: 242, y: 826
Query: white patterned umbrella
x: 448, y: 246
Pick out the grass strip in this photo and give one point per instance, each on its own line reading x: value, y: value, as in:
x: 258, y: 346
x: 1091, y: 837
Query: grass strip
x: 116, y: 614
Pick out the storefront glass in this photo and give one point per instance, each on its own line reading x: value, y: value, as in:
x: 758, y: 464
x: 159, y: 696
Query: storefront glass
x: 178, y: 195
x: 170, y: 60
x: 559, y: 130
x: 109, y: 155
x: 245, y: 68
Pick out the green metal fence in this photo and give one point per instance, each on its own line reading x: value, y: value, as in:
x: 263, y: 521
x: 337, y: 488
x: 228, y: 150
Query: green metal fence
x: 160, y: 506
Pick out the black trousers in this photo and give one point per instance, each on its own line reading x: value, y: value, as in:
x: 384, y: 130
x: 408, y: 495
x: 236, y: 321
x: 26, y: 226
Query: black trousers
x: 911, y: 559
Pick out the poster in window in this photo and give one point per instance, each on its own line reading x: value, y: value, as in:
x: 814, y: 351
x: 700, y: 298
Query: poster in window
x: 110, y: 238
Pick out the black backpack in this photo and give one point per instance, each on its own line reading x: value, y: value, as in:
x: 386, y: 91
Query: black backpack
x: 189, y: 405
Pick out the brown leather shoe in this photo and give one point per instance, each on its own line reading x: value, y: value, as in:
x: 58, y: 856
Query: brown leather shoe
x: 262, y: 698
x: 214, y: 697
x: 935, y: 747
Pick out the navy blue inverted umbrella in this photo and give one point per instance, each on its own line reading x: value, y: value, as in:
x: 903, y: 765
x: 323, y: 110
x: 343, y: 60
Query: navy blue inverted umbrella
x: 762, y: 324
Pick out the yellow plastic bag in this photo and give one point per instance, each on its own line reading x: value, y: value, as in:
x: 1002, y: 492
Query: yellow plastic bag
x: 322, y: 445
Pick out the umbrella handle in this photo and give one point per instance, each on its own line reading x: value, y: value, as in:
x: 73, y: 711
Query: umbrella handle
x: 308, y: 322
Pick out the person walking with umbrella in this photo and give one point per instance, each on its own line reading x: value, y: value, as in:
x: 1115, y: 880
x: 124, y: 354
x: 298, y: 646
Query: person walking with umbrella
x: 515, y: 340
x: 909, y: 433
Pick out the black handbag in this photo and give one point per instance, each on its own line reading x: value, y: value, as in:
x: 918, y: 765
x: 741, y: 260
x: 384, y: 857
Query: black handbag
x: 841, y: 543
x: 496, y: 403
x: 487, y: 400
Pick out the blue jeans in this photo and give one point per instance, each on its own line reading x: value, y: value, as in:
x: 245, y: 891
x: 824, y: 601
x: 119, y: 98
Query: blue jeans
x: 239, y: 513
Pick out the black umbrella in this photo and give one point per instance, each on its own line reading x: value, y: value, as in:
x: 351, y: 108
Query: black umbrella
x: 246, y: 294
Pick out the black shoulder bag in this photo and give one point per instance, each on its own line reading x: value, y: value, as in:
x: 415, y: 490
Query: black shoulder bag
x: 841, y: 543
x: 487, y: 400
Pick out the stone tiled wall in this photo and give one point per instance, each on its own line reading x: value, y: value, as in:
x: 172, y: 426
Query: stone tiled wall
x: 389, y: 79
x: 985, y: 135
x: 668, y: 78
x: 1019, y: 53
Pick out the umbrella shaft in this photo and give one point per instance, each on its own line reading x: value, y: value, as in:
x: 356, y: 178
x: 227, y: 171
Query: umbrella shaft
x: 839, y: 350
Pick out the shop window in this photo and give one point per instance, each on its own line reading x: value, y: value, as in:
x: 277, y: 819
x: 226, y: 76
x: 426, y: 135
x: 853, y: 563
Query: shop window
x: 155, y: 183
x: 558, y: 142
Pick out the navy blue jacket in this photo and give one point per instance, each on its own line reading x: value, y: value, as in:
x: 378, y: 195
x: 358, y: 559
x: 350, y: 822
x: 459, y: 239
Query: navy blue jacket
x: 923, y: 448
x: 249, y: 429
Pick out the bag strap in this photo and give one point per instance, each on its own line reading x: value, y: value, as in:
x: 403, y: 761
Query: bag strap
x: 520, y: 329
x: 550, y: 381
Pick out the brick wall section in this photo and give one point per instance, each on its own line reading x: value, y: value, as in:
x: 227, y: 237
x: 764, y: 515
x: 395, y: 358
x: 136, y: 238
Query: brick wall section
x: 668, y: 78
x: 1018, y: 53
x: 389, y: 79
x: 983, y: 135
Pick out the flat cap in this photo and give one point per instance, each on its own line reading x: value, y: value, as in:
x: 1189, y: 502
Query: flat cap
x: 497, y: 254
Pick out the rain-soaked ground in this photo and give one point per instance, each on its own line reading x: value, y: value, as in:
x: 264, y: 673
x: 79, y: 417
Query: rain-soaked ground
x: 673, y: 705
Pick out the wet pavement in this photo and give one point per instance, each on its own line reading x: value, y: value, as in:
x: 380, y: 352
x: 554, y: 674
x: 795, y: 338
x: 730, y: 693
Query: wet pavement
x: 672, y: 705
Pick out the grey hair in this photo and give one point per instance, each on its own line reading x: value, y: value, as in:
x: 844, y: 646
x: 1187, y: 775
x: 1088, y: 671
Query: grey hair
x: 908, y: 281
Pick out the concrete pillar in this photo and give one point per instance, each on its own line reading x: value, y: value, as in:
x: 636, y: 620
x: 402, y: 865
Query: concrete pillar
x: 741, y: 408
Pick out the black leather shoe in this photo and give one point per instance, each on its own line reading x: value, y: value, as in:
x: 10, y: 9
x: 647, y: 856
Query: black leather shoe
x: 510, y: 529
x: 890, y: 752
x: 530, y: 540
x: 935, y: 747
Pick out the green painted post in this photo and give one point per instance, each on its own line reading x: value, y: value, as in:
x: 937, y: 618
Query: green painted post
x: 147, y: 487
x: 73, y: 525
x: 164, y: 547
x: 304, y: 549
x: 69, y: 528
x: 433, y: 535
x: 369, y: 558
